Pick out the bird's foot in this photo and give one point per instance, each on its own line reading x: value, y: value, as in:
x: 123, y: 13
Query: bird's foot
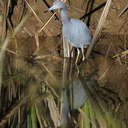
x: 83, y: 58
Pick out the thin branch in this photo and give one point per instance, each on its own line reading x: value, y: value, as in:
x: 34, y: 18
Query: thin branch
x: 124, y: 10
x: 34, y: 12
x: 46, y: 23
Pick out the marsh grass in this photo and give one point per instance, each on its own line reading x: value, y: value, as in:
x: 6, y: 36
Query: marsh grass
x: 27, y: 99
x: 97, y: 114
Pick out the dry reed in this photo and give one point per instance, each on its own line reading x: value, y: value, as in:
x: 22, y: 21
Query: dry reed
x: 99, y: 26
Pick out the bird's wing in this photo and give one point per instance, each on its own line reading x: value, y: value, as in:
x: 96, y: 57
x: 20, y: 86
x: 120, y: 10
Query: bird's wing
x: 79, y: 32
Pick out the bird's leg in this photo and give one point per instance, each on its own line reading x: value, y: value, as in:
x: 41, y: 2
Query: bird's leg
x: 83, y: 58
x: 78, y: 53
x: 71, y: 52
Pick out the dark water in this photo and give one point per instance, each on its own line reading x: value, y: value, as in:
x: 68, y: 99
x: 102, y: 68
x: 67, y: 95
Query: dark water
x: 48, y: 91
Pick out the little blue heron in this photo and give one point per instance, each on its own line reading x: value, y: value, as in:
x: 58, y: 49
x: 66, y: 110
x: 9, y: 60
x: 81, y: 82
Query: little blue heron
x: 74, y: 30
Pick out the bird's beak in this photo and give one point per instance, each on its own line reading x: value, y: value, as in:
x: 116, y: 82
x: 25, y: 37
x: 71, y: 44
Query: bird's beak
x: 50, y: 9
x: 46, y: 11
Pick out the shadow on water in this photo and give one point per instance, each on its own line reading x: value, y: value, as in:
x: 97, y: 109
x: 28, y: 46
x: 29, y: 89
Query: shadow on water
x: 52, y: 92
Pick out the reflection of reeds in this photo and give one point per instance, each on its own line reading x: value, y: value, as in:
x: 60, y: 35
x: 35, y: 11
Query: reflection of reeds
x: 96, y: 113
x: 5, y: 44
x: 1, y: 61
x: 7, y: 82
x: 12, y: 111
x: 33, y: 117
x: 38, y: 116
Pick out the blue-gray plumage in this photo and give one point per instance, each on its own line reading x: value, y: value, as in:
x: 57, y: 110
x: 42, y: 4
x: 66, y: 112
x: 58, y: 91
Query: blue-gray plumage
x: 74, y: 30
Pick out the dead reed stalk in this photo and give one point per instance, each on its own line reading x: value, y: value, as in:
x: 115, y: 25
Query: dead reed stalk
x: 99, y: 27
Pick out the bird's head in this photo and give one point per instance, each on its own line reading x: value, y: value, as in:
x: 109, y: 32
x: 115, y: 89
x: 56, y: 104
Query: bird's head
x: 57, y: 5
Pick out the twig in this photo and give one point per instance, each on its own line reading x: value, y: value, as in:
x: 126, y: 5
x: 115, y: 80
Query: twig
x: 37, y: 33
x: 49, y: 72
x: 46, y: 23
x: 34, y: 12
x: 92, y: 11
x: 124, y: 10
x: 121, y: 54
x: 57, y: 58
x: 10, y: 51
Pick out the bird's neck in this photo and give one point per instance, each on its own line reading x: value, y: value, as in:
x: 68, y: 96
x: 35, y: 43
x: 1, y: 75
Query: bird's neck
x: 64, y: 16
